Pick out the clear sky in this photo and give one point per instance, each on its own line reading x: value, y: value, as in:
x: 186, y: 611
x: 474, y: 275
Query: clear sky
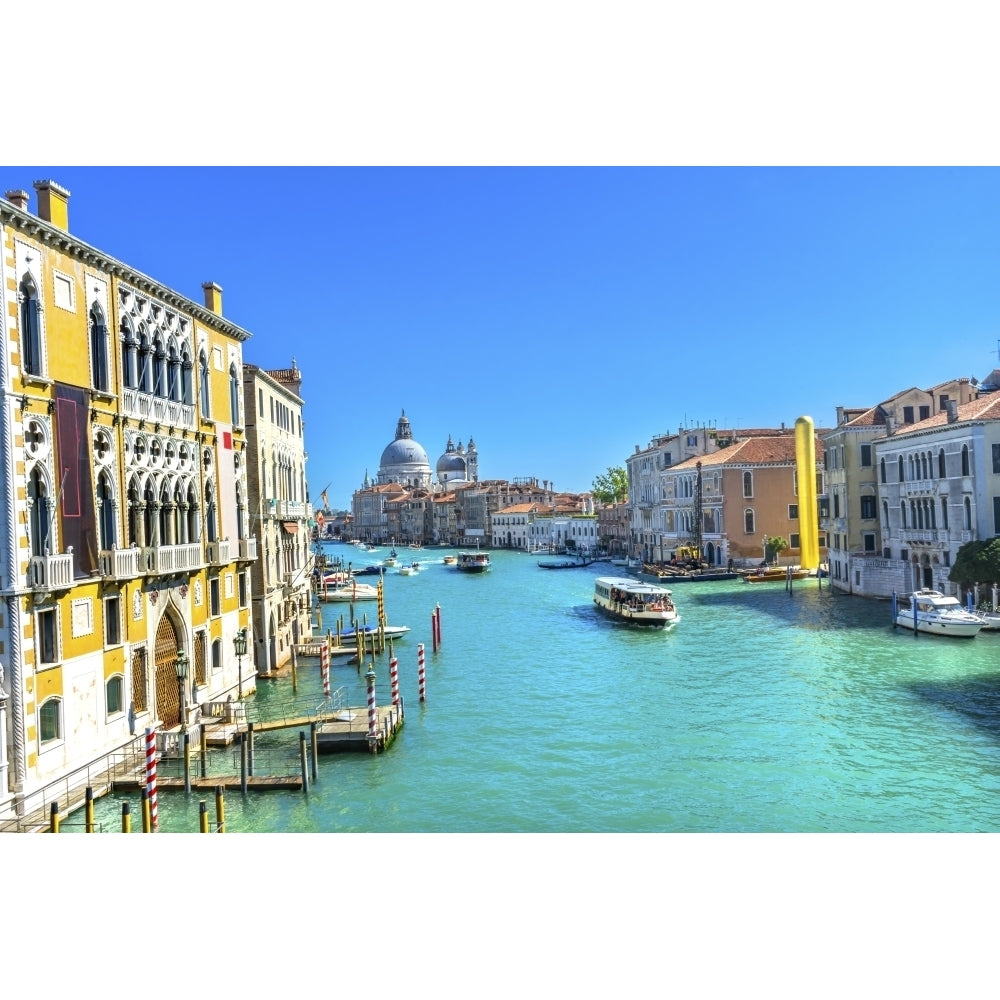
x: 562, y: 315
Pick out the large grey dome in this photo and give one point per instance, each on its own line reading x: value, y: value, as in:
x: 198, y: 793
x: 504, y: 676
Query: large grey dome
x: 404, y: 460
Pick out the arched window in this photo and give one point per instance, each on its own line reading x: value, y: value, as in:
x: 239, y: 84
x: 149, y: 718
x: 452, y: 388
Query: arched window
x: 923, y: 466
x: 748, y: 520
x: 114, y: 695
x: 206, y: 404
x: 882, y: 470
x: 901, y: 477
x: 965, y: 459
x: 187, y: 387
x: 968, y: 514
x: 145, y: 358
x: 173, y: 373
x: 50, y: 720
x: 210, y: 529
x: 160, y: 368
x: 944, y: 513
x: 748, y: 484
x: 902, y: 512
x: 941, y: 474
x: 99, y: 350
x: 31, y: 328
x: 234, y: 394
x: 885, y: 515
x: 105, y: 512
x: 39, y: 521
x: 130, y: 366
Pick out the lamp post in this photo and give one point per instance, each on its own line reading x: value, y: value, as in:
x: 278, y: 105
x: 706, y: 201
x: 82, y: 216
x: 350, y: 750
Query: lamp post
x: 181, y: 669
x: 240, y: 645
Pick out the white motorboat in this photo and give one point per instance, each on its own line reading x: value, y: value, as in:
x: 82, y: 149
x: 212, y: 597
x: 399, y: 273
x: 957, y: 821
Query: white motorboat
x: 350, y: 591
x: 631, y: 600
x: 933, y: 612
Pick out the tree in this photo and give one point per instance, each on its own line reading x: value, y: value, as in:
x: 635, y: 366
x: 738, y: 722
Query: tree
x: 611, y: 486
x: 977, y: 562
x: 773, y: 544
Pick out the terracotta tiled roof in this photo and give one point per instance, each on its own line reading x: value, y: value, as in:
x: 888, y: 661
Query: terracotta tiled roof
x: 774, y: 450
x: 518, y: 508
x: 984, y: 408
x: 873, y: 417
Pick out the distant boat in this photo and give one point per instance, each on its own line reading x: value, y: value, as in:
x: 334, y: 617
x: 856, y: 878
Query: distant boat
x: 352, y: 591
x: 450, y: 560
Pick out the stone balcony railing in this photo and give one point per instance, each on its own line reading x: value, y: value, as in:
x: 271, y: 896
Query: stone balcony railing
x: 219, y: 553
x: 172, y: 558
x: 121, y: 564
x: 50, y: 572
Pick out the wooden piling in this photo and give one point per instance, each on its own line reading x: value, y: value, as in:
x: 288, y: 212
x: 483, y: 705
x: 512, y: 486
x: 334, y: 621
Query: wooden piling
x: 220, y: 809
x: 126, y: 818
x: 88, y: 810
x: 54, y: 818
x: 203, y: 816
x: 302, y: 758
x: 204, y: 752
x: 314, y: 747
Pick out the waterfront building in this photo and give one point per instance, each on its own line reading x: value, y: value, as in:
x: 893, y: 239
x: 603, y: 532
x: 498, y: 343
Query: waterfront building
x: 369, y: 510
x: 124, y: 504
x: 727, y: 502
x: 281, y: 579
x: 513, y: 527
x: 849, y: 513
x: 646, y: 468
x: 938, y: 488
x: 613, y: 522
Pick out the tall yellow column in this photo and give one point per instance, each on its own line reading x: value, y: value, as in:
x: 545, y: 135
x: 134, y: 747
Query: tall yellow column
x: 805, y: 465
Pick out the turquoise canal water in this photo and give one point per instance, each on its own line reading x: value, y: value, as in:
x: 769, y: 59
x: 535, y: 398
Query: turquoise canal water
x: 761, y: 711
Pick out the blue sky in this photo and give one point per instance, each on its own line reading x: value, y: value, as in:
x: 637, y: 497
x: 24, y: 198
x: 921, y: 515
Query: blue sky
x: 560, y: 316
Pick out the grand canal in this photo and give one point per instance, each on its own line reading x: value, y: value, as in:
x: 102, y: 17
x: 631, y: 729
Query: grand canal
x: 763, y: 711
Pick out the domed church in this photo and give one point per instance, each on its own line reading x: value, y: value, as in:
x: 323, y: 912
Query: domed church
x: 458, y: 466
x: 404, y: 461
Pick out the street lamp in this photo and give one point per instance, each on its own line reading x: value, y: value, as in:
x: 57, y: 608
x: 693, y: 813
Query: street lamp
x: 181, y: 669
x: 240, y: 645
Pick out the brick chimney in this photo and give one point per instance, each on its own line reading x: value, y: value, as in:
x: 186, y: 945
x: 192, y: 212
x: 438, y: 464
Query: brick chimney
x: 53, y: 203
x: 952, y: 407
x: 19, y: 199
x: 213, y: 297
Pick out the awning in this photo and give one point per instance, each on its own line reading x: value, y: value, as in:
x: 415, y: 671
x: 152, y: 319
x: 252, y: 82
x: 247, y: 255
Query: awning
x: 290, y: 526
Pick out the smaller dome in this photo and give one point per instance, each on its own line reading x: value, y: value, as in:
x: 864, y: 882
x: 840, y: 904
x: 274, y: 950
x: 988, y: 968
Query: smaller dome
x: 451, y: 462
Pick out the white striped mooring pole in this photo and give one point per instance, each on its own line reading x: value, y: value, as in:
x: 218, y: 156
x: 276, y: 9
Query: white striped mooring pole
x: 372, y: 712
x: 154, y: 820
x: 393, y: 675
x: 421, y: 675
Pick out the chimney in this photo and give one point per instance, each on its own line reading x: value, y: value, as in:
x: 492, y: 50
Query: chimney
x: 53, y: 203
x: 19, y: 199
x: 952, y: 407
x: 213, y: 297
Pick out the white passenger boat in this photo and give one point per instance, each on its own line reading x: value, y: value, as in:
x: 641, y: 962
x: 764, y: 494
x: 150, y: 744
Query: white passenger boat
x: 473, y: 562
x: 630, y: 600
x: 939, y: 615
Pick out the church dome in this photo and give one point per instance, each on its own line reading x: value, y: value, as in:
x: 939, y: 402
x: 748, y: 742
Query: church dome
x: 452, y: 463
x: 404, y: 460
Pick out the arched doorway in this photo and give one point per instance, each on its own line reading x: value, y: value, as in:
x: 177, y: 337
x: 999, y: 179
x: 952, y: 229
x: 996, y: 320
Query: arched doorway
x: 165, y: 653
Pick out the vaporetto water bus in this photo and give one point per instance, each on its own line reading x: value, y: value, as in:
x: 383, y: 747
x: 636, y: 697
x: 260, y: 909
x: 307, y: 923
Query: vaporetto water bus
x: 631, y: 600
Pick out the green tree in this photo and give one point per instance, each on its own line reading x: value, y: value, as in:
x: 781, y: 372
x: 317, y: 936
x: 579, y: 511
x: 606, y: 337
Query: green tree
x: 611, y: 486
x: 977, y: 562
x: 773, y: 544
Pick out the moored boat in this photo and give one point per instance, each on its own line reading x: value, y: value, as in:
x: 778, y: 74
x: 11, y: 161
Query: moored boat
x: 775, y: 574
x: 352, y: 591
x: 630, y: 600
x: 938, y: 614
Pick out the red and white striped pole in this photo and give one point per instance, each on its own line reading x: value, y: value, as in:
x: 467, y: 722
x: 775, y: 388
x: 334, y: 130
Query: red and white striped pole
x: 324, y: 667
x: 372, y: 712
x: 394, y: 677
x: 151, y: 778
x: 421, y: 676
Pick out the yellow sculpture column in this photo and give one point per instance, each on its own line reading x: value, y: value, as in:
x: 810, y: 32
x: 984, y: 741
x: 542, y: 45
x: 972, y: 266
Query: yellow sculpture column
x: 805, y: 465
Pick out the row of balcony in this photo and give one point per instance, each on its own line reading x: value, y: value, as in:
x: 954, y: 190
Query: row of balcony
x: 55, y: 572
x: 288, y: 510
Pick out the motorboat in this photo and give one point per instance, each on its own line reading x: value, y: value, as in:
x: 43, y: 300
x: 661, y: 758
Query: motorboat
x: 775, y: 574
x: 410, y: 570
x: 938, y: 614
x: 450, y: 560
x: 388, y: 631
x: 473, y: 562
x: 629, y: 600
x: 351, y: 591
